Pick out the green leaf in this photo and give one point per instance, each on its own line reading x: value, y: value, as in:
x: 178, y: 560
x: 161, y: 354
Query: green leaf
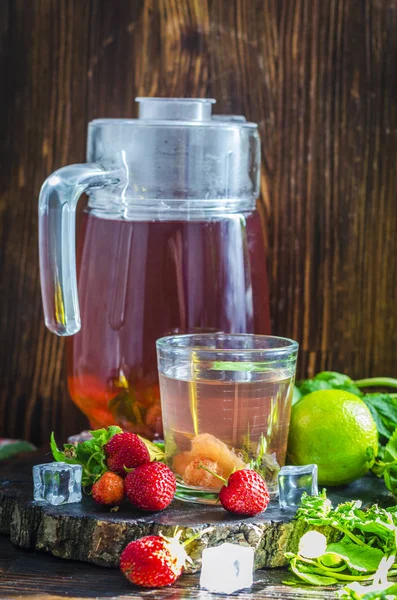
x: 311, y: 385
x: 355, y: 591
x: 390, y: 476
x: 334, y: 378
x: 375, y: 526
x: 125, y: 406
x: 315, y: 509
x: 384, y: 429
x: 262, y: 462
x: 13, y: 448
x: 112, y: 430
x: 102, y: 436
x: 391, y: 448
x: 359, y: 558
x: 314, y: 579
x: 308, y: 577
x: 59, y: 455
x: 297, y: 395
x: 89, y: 454
x: 328, y: 380
x: 370, y: 455
x: 383, y: 408
x: 369, y: 540
x: 385, y: 405
x: 56, y: 453
x: 239, y: 366
x: 156, y: 450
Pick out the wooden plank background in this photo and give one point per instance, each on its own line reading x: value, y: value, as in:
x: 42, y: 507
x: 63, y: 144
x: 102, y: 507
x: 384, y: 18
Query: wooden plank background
x: 320, y: 78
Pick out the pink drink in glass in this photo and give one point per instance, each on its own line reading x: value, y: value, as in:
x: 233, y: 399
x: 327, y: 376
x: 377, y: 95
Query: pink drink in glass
x: 224, y: 410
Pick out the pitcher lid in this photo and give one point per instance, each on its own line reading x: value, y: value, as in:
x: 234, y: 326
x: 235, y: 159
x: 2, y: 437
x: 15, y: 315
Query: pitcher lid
x: 177, y: 149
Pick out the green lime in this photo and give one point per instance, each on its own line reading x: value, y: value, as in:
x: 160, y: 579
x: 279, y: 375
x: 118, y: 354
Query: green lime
x: 335, y: 430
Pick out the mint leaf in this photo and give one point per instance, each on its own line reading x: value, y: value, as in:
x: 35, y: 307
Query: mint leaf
x: 305, y: 572
x: 358, y: 558
x: 373, y: 527
x: 241, y: 366
x: 386, y: 466
x: 383, y: 408
x: 308, y: 386
x: 334, y: 378
x: 384, y: 429
x: 355, y: 591
x: 385, y: 405
x: 315, y: 510
x: 314, y: 579
x: 328, y: 380
x: 391, y: 448
x: 368, y: 544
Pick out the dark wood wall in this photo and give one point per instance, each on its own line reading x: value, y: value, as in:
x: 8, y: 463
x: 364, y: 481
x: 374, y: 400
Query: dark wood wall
x: 320, y: 78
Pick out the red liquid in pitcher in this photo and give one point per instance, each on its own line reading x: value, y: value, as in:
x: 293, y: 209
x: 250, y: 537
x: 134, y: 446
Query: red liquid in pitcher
x: 141, y: 280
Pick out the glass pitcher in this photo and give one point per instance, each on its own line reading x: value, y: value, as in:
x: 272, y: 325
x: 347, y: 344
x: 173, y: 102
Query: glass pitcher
x: 170, y: 243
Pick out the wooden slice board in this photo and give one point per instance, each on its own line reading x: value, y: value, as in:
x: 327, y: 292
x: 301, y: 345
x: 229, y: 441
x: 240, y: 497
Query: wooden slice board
x: 85, y: 531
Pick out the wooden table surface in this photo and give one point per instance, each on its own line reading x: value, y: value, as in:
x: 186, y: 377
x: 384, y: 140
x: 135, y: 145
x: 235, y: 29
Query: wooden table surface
x: 34, y: 575
x: 31, y: 573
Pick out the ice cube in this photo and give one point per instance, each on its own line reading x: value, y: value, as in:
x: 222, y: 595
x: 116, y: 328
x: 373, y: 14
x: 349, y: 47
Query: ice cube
x: 293, y: 481
x: 57, y: 483
x: 227, y: 568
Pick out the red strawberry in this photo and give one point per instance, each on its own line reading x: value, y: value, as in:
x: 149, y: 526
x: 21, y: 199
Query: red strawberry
x: 109, y: 489
x: 245, y: 493
x: 125, y: 450
x: 153, y: 561
x: 151, y: 486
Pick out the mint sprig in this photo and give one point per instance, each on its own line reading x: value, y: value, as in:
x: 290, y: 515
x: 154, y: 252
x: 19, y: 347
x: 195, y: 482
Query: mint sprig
x: 362, y: 558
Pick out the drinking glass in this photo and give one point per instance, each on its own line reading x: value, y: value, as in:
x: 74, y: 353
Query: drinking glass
x: 226, y: 404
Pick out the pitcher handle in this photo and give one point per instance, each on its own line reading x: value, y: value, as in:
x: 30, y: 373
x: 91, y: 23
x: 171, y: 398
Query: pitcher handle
x: 57, y: 241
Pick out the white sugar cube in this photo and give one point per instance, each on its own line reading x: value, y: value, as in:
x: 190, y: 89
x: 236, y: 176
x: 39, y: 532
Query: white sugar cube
x: 227, y: 568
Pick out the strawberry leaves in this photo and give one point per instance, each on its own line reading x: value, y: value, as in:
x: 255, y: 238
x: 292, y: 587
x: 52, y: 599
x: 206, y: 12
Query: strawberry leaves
x: 156, y: 449
x: 89, y: 454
